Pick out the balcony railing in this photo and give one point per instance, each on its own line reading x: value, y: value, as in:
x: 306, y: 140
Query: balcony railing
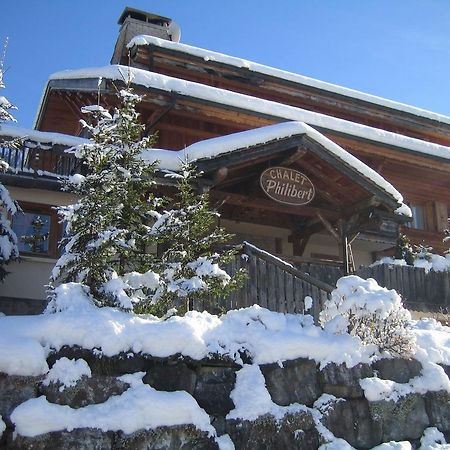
x: 40, y: 160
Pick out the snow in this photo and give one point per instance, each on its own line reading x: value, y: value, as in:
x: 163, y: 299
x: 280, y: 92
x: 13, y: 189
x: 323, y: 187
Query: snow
x: 435, y: 339
x: 353, y: 292
x: 67, y: 372
x: 21, y: 355
x: 336, y: 444
x: 225, y: 442
x: 2, y: 426
x: 41, y: 136
x: 248, y: 103
x: 209, y: 55
x: 403, y: 445
x: 252, y: 399
x: 432, y: 262
x: 433, y: 439
x: 269, y: 337
x: 76, y: 179
x: 308, y: 303
x: 403, y: 210
x: 432, y: 378
x: 362, y: 307
x: 140, y: 407
x: 250, y: 395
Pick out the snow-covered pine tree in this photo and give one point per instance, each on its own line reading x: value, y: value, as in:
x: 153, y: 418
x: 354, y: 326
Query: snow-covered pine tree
x: 8, y: 207
x: 107, y: 240
x: 194, y: 257
x: 404, y: 249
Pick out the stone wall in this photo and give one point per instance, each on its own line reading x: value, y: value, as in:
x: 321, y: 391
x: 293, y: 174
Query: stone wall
x: 210, y: 381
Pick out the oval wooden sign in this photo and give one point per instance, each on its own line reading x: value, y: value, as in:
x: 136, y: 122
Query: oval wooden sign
x: 287, y: 186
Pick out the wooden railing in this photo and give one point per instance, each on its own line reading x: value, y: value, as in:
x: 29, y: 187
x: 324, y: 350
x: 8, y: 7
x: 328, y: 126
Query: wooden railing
x: 419, y: 290
x: 273, y: 284
x: 42, y: 161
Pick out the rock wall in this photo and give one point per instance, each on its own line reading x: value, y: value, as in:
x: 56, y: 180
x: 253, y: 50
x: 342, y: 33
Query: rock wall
x: 349, y: 415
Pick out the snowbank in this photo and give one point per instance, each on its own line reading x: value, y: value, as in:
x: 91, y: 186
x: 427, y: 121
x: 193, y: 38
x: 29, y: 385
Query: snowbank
x: 433, y: 262
x: 140, y: 407
x: 67, y: 372
x: 252, y: 399
x: 25, y: 341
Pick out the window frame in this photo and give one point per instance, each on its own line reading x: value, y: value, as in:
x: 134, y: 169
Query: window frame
x: 55, y: 232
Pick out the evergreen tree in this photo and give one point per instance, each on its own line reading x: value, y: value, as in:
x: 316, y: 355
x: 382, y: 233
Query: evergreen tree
x: 107, y: 239
x: 8, y: 207
x: 191, y: 263
x: 113, y: 230
x: 404, y: 249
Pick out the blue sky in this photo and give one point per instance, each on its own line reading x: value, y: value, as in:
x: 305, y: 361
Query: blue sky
x: 395, y: 49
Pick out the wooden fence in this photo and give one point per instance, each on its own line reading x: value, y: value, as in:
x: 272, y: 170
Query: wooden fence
x: 279, y: 286
x: 419, y: 290
x: 272, y: 284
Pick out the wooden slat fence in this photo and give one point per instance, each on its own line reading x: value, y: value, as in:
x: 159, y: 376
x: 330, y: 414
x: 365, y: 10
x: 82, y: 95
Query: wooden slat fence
x: 272, y: 284
x: 429, y: 291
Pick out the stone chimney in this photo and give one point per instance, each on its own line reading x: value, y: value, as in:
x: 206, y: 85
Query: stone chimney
x: 135, y: 22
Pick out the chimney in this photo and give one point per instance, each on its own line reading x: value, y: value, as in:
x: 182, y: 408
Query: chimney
x: 135, y: 22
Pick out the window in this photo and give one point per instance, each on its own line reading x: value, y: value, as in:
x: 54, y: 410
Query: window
x: 418, y: 217
x: 37, y: 230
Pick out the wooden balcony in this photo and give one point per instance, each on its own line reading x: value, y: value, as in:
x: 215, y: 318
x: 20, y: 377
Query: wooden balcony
x: 40, y: 161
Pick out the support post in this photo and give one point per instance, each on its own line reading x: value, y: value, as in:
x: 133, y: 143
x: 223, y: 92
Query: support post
x: 343, y: 246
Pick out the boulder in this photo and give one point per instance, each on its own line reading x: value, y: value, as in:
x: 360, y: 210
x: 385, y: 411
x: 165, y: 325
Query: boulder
x: 87, y: 391
x: 117, y: 365
x: 396, y: 369
x: 15, y: 390
x: 404, y: 419
x: 351, y: 420
x: 295, y: 382
x: 183, y: 437
x: 293, y: 431
x: 170, y: 375
x: 438, y: 409
x: 213, y: 388
x: 343, y: 382
x: 83, y: 438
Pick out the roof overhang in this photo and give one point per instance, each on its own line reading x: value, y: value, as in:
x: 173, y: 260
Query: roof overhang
x: 278, y: 143
x: 87, y: 80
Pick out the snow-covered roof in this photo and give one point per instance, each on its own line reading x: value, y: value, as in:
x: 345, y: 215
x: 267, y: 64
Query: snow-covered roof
x: 210, y: 148
x: 253, y: 104
x: 208, y: 55
x: 40, y: 136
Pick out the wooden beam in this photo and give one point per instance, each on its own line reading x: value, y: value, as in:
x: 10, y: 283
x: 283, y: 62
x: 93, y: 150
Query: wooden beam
x: 157, y: 115
x: 349, y: 171
x: 299, y: 154
x: 317, y: 173
x: 343, y: 246
x: 328, y: 226
x: 268, y: 205
x: 367, y: 203
x: 299, y: 245
x: 252, y: 153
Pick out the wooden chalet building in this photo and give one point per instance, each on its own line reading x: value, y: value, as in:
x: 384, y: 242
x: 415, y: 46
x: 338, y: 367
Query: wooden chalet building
x: 301, y: 168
